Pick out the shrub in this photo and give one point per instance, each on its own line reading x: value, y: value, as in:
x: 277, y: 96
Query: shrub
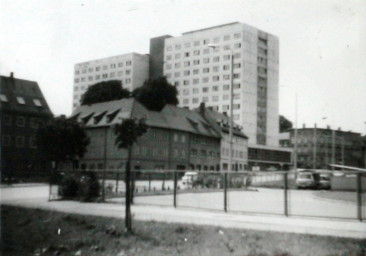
x: 69, y: 186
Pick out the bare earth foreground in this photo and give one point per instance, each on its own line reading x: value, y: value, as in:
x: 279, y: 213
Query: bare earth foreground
x: 39, y: 232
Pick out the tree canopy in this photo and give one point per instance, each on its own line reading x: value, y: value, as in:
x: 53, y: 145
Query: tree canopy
x: 285, y: 124
x: 62, y: 139
x: 128, y: 131
x: 104, y: 91
x: 156, y: 93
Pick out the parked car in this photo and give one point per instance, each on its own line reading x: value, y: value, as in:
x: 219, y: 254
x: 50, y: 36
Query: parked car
x: 324, y: 182
x: 308, y: 179
x: 189, y: 178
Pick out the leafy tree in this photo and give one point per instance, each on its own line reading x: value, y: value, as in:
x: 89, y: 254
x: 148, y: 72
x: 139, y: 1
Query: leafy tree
x: 62, y: 139
x: 104, y: 91
x: 155, y: 93
x: 285, y: 124
x: 127, y: 134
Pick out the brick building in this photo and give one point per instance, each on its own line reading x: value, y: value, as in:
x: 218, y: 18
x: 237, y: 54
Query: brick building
x: 23, y: 110
x: 176, y: 139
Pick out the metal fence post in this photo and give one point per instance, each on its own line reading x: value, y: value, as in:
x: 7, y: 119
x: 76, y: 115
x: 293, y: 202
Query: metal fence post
x: 117, y: 177
x: 103, y: 185
x: 163, y: 185
x: 285, y: 181
x: 149, y: 181
x: 359, y: 196
x: 225, y: 192
x: 175, y: 188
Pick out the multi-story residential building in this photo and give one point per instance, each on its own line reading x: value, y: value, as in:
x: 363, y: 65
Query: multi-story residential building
x: 203, y: 74
x: 23, y: 110
x: 176, y: 138
x: 132, y: 69
x: 322, y: 146
x: 240, y: 141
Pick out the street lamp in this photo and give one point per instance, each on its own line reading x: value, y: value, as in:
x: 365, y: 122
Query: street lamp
x: 231, y: 104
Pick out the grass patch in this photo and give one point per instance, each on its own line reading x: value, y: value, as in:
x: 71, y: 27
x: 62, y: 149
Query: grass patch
x: 38, y: 232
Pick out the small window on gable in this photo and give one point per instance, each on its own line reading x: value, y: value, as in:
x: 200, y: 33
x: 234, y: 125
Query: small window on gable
x: 3, y: 98
x: 21, y: 100
x: 37, y: 102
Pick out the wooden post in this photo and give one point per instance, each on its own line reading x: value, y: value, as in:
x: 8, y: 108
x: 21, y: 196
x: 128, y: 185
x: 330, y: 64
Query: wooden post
x: 285, y: 181
x: 175, y: 188
x: 225, y: 191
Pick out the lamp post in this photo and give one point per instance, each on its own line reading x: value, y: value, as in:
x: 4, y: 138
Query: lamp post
x: 231, y: 104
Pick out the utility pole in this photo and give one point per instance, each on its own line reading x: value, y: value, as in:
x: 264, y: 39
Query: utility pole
x: 314, y: 147
x: 333, y: 148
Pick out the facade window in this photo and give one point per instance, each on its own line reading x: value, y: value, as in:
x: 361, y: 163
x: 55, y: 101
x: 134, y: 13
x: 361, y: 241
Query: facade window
x: 32, y: 142
x: 77, y: 72
x: 237, y: 55
x: 90, y: 70
x: 237, y: 65
x: 97, y: 77
x: 186, y: 92
x: 226, y: 87
x: 20, y: 121
x: 215, y: 98
x: 177, y: 46
x: 205, y: 89
x: 216, y: 39
x: 187, y: 63
x: 225, y: 97
x: 203, y: 153
x: 177, y: 65
x: 236, y: 106
x: 128, y: 71
x: 128, y: 81
x: 169, y: 48
x: 37, y: 102
x: 206, y: 51
x: 183, y: 138
x: 177, y: 56
x: 206, y: 70
x: 7, y: 120
x: 76, y: 80
x: 206, y: 60
x: 196, y: 71
x: 20, y: 100
x: 226, y: 77
x: 196, y: 62
x: 168, y: 57
x: 205, y: 80
x: 113, y: 65
x: 186, y: 82
x: 168, y: 75
x: 196, y: 52
x: 204, y: 99
x: 97, y: 68
x: 187, y: 73
x: 196, y: 43
x: 237, y: 35
x: 6, y: 142
x: 105, y: 75
x: 19, y: 142
x: 236, y: 96
x: 236, y: 75
x: 215, y: 78
x: 216, y: 69
x: 120, y: 64
x: 237, y: 45
x: 168, y: 66
x: 216, y: 59
x: 83, y: 71
x: 227, y: 37
x: 194, y: 153
x: 186, y: 54
x: 177, y: 74
x: 188, y: 44
x: 195, y: 100
x: 206, y: 41
x: 105, y: 67
x: 195, y: 90
x: 196, y: 81
x: 227, y: 57
x: 236, y: 86
x: 34, y: 123
x: 226, y: 67
x: 186, y: 101
x: 83, y: 79
x: 175, y: 137
x: 215, y: 88
x: 176, y: 83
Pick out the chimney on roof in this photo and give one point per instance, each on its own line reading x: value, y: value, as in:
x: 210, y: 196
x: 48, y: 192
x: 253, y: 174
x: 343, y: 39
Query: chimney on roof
x: 202, y: 108
x: 315, y: 125
x: 328, y: 127
x: 11, y: 74
x: 303, y: 125
x: 339, y: 128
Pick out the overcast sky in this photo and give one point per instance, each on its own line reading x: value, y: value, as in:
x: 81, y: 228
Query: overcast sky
x: 322, y: 45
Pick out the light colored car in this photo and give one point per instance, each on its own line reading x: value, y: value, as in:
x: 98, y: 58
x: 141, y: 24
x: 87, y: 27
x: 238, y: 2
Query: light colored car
x: 189, y: 178
x: 307, y: 179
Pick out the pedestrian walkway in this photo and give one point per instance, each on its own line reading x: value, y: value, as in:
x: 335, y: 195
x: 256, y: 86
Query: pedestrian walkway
x: 337, y: 228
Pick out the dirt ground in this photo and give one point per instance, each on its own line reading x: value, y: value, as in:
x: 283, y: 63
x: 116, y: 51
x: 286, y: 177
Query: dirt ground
x: 37, y: 232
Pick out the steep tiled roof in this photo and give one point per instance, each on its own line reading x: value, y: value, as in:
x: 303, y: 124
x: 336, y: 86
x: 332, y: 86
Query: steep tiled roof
x: 18, y: 95
x: 171, y: 117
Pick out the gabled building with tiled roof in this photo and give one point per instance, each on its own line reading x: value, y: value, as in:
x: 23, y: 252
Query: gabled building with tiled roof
x: 23, y: 110
x: 176, y: 139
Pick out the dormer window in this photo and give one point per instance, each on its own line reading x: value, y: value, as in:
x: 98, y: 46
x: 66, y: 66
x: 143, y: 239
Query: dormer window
x: 37, y: 102
x: 21, y: 100
x: 3, y: 98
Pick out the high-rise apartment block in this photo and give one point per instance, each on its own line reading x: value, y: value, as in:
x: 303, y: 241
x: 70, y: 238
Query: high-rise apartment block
x: 132, y: 69
x: 202, y: 73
